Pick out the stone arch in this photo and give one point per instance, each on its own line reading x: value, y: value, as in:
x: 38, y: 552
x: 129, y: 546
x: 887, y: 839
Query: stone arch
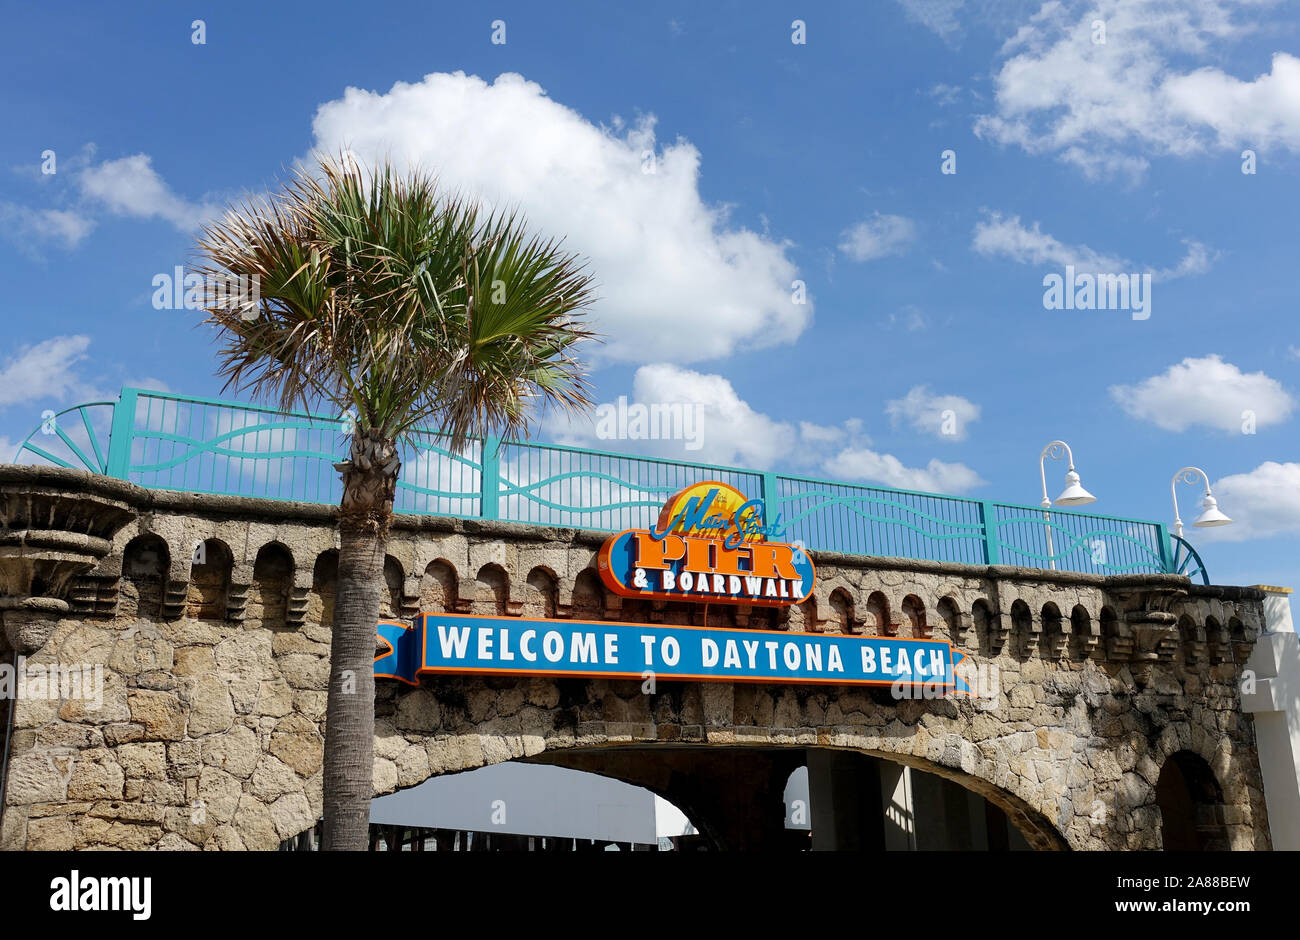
x: 268, y: 599
x: 1216, y: 638
x: 324, y: 584
x: 1022, y: 625
x: 984, y: 622
x: 209, y: 583
x: 491, y: 591
x: 542, y: 586
x: 1056, y: 631
x: 876, y: 620
x: 914, y: 612
x: 463, y: 717
x: 841, y: 604
x: 394, y: 580
x: 626, y: 761
x: 146, y: 561
x: 1191, y: 640
x: 1110, y: 629
x: 1238, y: 640
x: 438, y: 587
x: 1084, y: 634
x: 950, y: 615
x: 588, y: 596
x: 1190, y: 801
x: 1247, y: 826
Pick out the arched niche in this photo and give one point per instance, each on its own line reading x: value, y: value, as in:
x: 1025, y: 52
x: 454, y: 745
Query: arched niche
x: 145, y: 564
x: 841, y: 619
x: 914, y: 612
x: 268, y: 599
x: 1191, y: 805
x: 588, y: 596
x: 209, y: 587
x: 438, y: 587
x: 875, y: 620
x: 491, y: 591
x: 390, y: 604
x: 324, y: 585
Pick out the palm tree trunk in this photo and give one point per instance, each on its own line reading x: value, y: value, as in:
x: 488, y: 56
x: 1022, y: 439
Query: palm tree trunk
x: 369, y: 482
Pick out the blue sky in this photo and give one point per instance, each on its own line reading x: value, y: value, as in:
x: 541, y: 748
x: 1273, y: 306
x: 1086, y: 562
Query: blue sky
x: 771, y: 162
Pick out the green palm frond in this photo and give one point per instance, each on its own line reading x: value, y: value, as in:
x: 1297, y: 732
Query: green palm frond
x: 380, y: 294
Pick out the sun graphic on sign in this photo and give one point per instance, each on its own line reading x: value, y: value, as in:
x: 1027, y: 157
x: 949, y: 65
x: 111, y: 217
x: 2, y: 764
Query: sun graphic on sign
x: 726, y: 502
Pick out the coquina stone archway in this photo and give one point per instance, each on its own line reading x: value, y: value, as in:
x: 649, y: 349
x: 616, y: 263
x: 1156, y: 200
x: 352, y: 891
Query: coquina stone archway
x: 215, y: 663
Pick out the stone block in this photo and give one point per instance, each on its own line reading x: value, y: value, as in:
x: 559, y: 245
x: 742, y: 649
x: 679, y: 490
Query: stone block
x: 211, y: 708
x: 147, y: 759
x: 160, y: 713
x: 296, y: 741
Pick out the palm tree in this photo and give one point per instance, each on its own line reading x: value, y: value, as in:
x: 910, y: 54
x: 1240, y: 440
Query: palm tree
x: 406, y: 309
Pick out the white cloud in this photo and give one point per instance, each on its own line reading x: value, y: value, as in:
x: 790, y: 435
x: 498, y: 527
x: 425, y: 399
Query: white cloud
x: 676, y: 280
x: 63, y: 225
x: 1262, y: 503
x: 9, y: 454
x: 821, y: 435
x: 729, y: 430
x: 42, y: 371
x: 1009, y: 238
x: 945, y: 95
x: 1208, y: 392
x: 1196, y: 261
x: 935, y: 477
x: 1106, y: 106
x: 938, y: 16
x: 148, y: 383
x: 997, y: 236
x: 130, y: 186
x: 1261, y: 113
x: 736, y: 434
x: 928, y: 413
x: 8, y: 449
x: 878, y: 237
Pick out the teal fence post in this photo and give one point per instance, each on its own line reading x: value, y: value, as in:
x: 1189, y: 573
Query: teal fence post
x: 992, y: 546
x: 1166, y: 558
x: 490, y: 497
x: 771, y: 491
x: 119, y: 437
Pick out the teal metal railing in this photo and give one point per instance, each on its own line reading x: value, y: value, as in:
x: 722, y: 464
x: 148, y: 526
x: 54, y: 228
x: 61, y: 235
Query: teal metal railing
x: 172, y: 442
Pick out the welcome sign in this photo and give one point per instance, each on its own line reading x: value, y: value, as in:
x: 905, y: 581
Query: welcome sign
x: 465, y: 643
x: 711, y: 544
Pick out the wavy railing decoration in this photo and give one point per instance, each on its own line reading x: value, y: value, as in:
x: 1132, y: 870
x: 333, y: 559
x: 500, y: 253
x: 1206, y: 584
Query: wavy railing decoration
x: 55, y: 433
x: 165, y: 441
x: 1187, y: 562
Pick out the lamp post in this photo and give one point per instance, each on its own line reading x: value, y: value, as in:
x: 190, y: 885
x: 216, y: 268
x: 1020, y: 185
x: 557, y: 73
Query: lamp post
x: 1073, y: 495
x: 1210, y: 515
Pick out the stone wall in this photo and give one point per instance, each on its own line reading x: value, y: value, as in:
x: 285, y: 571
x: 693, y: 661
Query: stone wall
x: 215, y: 665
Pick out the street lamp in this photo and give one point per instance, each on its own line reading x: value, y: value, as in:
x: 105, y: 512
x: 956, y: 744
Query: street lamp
x: 1210, y: 514
x: 1073, y: 495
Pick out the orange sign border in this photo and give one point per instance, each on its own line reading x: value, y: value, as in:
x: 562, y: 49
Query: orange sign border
x: 610, y: 581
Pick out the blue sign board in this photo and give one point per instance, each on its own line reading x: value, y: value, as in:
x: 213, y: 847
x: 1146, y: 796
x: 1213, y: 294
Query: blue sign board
x: 466, y: 644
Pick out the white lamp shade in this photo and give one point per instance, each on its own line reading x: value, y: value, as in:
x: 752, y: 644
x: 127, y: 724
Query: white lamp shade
x: 1212, y: 516
x: 1074, y: 494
